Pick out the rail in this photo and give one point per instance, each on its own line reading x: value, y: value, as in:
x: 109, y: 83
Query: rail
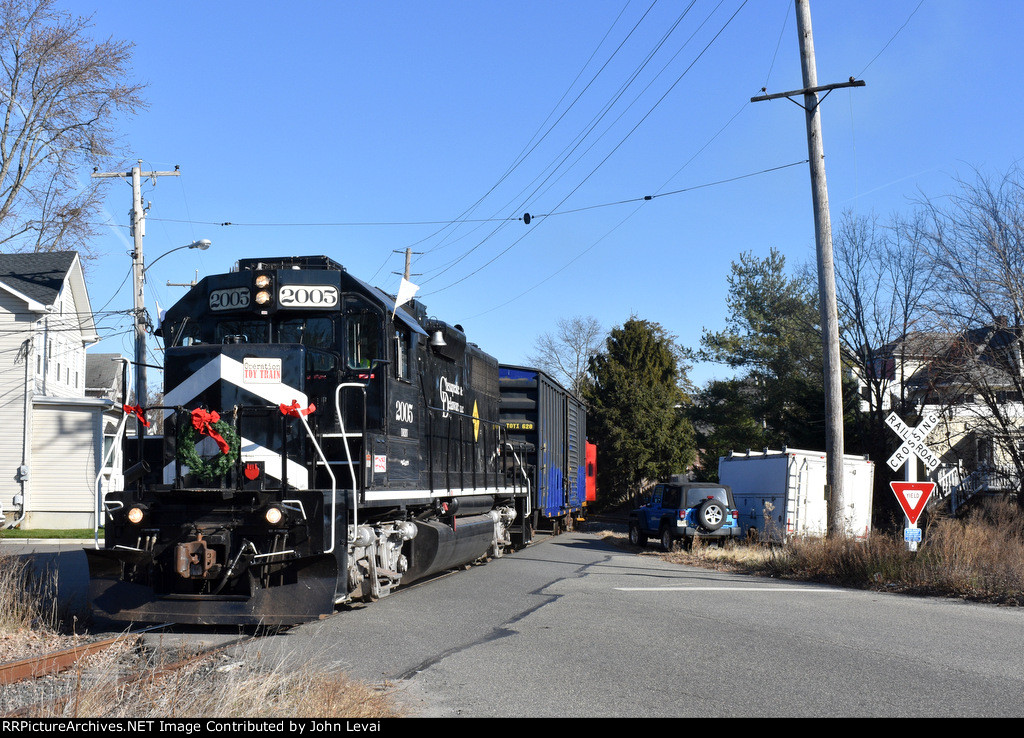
x: 448, y: 437
x: 348, y: 452
x: 334, y: 481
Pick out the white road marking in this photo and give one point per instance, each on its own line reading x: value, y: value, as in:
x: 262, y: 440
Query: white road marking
x: 724, y: 589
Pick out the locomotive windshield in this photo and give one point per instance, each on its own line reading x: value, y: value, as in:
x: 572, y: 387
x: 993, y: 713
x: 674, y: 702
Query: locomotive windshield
x: 312, y: 332
x: 246, y: 331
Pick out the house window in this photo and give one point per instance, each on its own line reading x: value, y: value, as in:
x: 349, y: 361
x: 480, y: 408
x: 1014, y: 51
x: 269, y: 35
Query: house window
x: 108, y: 441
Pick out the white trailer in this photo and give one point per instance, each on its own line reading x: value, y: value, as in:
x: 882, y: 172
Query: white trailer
x: 782, y: 493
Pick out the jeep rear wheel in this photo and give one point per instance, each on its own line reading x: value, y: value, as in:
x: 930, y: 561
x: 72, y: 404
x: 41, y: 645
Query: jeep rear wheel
x: 711, y: 515
x: 636, y: 536
x: 667, y: 541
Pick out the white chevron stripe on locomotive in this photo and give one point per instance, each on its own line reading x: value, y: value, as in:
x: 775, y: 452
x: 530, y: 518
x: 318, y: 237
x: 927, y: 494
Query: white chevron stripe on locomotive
x: 224, y: 368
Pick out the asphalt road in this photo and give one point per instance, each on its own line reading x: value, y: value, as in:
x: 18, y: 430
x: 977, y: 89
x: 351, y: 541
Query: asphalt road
x: 574, y: 627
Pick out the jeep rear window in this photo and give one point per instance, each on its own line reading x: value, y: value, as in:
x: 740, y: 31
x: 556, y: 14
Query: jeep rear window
x: 696, y: 495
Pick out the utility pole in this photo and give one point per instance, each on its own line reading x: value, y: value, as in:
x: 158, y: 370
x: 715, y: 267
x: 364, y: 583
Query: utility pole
x: 408, y: 263
x: 834, y: 448
x: 138, y: 229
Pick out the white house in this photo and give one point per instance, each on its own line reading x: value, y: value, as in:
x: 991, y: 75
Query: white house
x: 973, y: 380
x: 54, y: 423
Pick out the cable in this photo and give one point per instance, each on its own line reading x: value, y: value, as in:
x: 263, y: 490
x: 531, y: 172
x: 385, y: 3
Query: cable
x: 898, y: 30
x: 617, y: 146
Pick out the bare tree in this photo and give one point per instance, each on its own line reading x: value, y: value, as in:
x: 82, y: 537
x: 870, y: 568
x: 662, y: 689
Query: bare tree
x: 884, y: 279
x: 566, y: 353
x: 61, y: 94
x: 976, y: 240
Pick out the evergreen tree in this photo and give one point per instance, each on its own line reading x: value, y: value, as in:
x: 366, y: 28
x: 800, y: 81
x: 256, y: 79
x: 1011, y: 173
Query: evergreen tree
x: 772, y: 335
x: 636, y: 404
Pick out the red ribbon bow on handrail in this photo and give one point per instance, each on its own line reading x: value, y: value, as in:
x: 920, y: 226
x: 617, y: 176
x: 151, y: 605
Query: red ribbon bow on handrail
x: 139, y: 413
x: 203, y: 420
x: 295, y: 410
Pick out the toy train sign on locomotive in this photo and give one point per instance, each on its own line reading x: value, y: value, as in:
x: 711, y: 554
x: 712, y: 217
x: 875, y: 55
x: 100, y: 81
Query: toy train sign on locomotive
x: 322, y: 446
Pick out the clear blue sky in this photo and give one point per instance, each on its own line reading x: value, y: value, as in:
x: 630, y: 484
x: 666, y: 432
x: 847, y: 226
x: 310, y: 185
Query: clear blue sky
x: 358, y: 129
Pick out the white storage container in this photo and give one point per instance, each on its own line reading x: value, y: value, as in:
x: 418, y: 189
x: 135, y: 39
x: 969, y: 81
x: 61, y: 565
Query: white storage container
x: 782, y: 493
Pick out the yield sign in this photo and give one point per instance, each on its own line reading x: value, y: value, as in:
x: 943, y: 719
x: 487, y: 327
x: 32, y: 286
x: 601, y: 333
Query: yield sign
x: 912, y: 497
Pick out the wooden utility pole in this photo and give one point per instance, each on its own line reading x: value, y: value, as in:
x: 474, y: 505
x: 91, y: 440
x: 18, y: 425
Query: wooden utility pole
x: 138, y: 229
x: 834, y: 448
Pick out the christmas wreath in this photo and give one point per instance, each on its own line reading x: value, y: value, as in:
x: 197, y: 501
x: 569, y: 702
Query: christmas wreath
x: 207, y: 423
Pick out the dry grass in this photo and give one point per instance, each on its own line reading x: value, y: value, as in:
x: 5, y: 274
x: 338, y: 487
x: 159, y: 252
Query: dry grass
x: 979, y: 558
x: 214, y: 687
x: 125, y: 681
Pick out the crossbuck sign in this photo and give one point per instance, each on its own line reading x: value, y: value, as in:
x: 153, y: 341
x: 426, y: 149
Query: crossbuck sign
x: 913, y: 441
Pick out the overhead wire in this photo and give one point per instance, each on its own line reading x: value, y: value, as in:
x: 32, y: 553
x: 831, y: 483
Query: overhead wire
x: 570, y: 148
x: 618, y: 225
x: 610, y: 153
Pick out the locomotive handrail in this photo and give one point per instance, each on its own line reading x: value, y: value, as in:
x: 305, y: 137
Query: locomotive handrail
x: 334, y: 481
x: 348, y: 453
x: 100, y: 496
x: 493, y: 423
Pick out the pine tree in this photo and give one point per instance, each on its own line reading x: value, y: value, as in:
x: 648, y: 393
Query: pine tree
x: 636, y: 406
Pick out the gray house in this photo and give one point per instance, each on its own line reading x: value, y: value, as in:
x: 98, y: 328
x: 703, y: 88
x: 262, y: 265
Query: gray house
x: 54, y: 422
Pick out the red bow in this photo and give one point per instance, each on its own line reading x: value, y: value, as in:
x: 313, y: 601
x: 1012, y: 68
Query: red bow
x: 139, y: 412
x: 203, y: 422
x: 295, y: 410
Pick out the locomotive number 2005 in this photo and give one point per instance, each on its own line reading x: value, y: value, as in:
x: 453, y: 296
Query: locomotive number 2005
x: 236, y: 298
x: 309, y: 296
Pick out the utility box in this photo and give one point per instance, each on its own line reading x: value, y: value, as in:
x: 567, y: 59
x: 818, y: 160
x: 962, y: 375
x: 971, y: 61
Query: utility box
x: 780, y: 494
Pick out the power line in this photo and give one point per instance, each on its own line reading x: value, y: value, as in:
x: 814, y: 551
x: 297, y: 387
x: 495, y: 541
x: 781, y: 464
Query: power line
x: 898, y: 30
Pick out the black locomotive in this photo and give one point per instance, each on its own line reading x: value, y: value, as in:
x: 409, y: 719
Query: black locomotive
x: 321, y: 446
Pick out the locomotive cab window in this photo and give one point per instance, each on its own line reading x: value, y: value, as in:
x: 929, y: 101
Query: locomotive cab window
x: 363, y: 334
x: 402, y: 353
x: 185, y: 334
x: 312, y: 332
x: 245, y: 331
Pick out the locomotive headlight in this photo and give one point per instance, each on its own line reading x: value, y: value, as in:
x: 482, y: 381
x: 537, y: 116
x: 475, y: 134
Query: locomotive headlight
x: 136, y: 515
x: 262, y: 297
x: 273, y: 515
x: 262, y: 281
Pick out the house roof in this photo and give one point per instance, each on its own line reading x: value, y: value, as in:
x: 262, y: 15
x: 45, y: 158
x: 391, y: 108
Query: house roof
x: 39, y: 276
x: 103, y: 375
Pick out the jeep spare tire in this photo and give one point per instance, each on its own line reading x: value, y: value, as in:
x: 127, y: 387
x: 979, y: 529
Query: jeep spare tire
x: 711, y: 515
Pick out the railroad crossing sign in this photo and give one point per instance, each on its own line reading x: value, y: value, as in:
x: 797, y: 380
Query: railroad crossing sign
x: 912, y: 497
x: 913, y: 441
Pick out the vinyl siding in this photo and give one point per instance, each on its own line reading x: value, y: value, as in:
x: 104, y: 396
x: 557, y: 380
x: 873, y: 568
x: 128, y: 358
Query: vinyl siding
x: 65, y: 451
x: 16, y: 325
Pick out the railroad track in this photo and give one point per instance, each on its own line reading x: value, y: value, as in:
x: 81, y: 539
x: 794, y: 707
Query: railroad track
x: 51, y: 664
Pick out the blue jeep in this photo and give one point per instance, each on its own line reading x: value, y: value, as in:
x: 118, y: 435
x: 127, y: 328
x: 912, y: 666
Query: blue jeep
x: 682, y: 512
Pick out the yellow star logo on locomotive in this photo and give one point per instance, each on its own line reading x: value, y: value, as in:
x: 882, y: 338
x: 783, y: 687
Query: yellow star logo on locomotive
x: 476, y: 423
